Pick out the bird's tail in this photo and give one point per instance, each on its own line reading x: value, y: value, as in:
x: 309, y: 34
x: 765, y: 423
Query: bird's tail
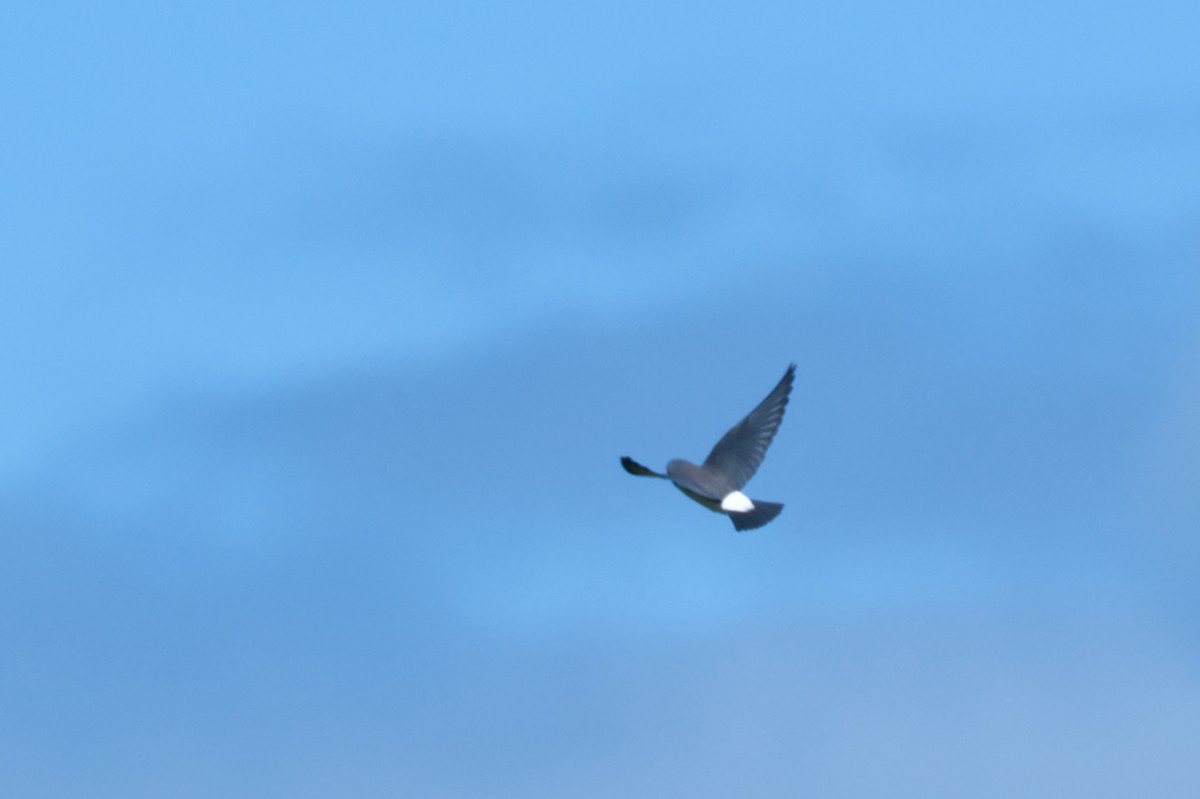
x: 633, y: 467
x: 763, y: 512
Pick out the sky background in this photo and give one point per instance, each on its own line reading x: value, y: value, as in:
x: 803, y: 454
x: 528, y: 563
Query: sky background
x: 327, y: 324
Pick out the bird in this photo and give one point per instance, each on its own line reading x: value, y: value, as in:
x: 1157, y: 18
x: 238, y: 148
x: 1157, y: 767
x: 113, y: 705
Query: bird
x: 717, y: 483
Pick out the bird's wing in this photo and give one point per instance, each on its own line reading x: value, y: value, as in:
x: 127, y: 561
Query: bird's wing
x: 633, y: 467
x: 740, y: 451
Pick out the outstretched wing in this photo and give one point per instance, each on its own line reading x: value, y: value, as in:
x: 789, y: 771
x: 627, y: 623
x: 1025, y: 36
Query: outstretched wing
x: 740, y: 451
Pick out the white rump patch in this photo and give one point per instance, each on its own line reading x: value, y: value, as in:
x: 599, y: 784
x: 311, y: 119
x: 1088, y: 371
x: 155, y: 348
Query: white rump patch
x: 737, y: 502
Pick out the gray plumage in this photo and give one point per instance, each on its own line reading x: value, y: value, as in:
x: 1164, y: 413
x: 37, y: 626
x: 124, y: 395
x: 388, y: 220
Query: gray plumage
x: 732, y: 462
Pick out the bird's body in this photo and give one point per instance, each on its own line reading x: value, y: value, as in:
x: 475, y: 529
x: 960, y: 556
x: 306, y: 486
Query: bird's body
x: 717, y: 483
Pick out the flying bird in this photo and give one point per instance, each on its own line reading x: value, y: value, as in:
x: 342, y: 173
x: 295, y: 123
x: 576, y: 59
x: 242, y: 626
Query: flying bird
x: 717, y: 483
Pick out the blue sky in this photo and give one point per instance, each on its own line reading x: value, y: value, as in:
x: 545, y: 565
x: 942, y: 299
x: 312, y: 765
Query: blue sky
x: 327, y: 327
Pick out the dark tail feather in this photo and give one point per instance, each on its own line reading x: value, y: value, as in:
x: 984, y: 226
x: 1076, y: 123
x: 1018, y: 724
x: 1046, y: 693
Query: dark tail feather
x: 633, y: 467
x: 763, y: 512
